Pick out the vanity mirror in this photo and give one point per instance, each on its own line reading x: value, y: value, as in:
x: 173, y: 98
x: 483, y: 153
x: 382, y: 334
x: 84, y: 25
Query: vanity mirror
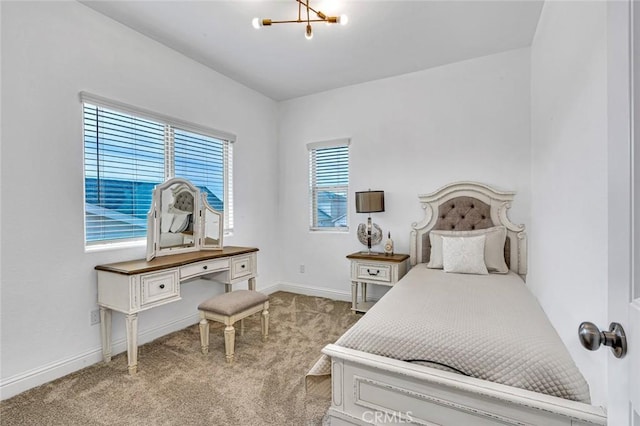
x: 181, y: 220
x: 212, y: 228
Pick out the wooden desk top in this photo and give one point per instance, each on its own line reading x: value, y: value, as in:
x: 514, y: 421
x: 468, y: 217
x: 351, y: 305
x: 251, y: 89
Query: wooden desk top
x: 379, y: 257
x: 139, y: 266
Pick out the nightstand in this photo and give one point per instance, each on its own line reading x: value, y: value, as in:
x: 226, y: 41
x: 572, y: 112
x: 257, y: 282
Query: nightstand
x: 378, y: 269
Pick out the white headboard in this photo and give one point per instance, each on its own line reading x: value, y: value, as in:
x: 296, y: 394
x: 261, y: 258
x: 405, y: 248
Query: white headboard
x: 465, y: 206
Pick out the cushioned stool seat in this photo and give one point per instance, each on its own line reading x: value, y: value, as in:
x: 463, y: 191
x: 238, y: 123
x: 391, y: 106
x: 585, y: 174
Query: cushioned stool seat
x: 228, y: 308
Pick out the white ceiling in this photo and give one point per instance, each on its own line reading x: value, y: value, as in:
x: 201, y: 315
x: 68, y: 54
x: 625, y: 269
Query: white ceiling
x: 382, y: 38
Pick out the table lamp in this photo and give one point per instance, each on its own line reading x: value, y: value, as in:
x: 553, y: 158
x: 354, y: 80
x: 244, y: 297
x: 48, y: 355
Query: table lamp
x: 369, y: 202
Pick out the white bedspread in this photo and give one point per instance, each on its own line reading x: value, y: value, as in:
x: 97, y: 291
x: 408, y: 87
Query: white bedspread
x: 485, y: 326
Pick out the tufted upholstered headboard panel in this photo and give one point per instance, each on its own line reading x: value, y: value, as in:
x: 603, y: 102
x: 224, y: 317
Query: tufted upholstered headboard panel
x: 465, y: 206
x: 462, y: 214
x: 184, y: 201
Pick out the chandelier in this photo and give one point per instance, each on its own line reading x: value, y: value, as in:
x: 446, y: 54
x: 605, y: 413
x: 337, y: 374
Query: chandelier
x: 306, y: 15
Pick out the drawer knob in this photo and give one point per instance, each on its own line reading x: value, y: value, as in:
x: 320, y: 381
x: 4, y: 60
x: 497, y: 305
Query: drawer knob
x: 204, y: 267
x: 161, y: 286
x: 243, y: 266
x: 373, y: 273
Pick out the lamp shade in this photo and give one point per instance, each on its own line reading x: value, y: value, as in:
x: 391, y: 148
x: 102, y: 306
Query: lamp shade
x: 369, y: 201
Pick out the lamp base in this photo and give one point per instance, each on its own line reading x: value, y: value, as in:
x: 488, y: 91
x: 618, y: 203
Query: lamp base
x: 374, y: 234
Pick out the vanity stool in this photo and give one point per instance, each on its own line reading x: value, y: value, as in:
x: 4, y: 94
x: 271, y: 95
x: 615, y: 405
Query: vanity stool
x: 228, y: 308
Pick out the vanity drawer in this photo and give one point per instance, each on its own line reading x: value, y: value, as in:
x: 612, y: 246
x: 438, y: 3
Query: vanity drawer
x: 377, y: 272
x: 241, y: 267
x: 160, y: 286
x: 203, y: 268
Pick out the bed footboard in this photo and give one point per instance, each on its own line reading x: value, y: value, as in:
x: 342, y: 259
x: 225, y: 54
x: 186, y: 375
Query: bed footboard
x: 371, y: 389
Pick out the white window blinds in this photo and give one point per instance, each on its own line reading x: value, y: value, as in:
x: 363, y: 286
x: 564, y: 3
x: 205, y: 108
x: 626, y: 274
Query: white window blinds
x: 127, y: 154
x: 124, y: 160
x: 203, y: 160
x: 329, y: 185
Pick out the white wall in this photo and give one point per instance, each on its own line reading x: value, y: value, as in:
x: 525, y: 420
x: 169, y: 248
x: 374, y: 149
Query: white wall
x: 409, y: 135
x: 50, y: 52
x: 568, y: 232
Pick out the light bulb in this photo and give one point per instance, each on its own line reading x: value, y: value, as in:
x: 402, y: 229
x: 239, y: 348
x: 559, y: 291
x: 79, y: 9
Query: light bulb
x: 309, y: 33
x: 343, y: 19
x: 256, y: 23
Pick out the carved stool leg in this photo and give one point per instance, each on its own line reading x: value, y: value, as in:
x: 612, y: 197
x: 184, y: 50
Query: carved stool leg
x: 265, y: 322
x: 229, y: 341
x: 242, y: 327
x: 204, y: 334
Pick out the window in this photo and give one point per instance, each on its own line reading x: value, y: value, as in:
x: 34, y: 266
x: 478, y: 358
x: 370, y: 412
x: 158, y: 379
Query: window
x: 128, y: 151
x: 329, y: 185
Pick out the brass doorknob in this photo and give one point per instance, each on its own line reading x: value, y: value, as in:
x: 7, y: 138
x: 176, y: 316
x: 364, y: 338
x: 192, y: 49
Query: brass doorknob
x: 592, y: 338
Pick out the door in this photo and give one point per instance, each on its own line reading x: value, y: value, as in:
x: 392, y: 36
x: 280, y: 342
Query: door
x: 623, y: 64
x: 634, y: 310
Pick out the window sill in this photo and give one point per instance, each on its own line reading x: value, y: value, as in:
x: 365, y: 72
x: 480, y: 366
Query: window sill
x: 329, y: 230
x: 115, y: 246
x: 142, y: 242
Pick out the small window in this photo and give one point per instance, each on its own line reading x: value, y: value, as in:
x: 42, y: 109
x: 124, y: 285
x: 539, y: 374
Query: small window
x: 128, y: 152
x: 329, y: 185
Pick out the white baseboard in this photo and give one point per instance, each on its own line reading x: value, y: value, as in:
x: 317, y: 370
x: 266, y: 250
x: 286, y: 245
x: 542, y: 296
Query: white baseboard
x: 19, y: 383
x: 309, y: 291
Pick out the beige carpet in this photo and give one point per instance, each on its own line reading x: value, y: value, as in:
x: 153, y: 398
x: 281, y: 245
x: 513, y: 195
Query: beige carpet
x: 177, y: 385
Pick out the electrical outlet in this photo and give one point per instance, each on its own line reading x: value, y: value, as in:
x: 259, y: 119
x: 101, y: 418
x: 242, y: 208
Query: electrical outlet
x: 95, y: 317
x: 302, y: 269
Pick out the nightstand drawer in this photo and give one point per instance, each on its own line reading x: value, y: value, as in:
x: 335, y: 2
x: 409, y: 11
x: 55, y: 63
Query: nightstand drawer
x: 371, y: 272
x: 159, y: 287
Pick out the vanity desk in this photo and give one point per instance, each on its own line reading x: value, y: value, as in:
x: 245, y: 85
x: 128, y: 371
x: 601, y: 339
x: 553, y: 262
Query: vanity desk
x: 134, y: 286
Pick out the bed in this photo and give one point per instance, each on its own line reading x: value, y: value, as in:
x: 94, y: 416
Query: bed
x: 451, y: 346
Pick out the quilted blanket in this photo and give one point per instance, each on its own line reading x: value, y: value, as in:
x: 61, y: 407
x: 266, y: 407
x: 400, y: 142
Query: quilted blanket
x: 485, y: 326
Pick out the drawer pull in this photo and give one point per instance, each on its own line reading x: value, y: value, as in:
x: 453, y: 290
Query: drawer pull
x: 161, y: 286
x: 373, y: 274
x: 204, y: 267
x: 243, y: 266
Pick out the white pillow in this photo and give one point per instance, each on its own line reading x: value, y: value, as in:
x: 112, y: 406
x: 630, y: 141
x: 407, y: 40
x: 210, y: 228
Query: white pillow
x: 464, y: 255
x: 493, y: 249
x: 180, y: 223
x: 165, y: 222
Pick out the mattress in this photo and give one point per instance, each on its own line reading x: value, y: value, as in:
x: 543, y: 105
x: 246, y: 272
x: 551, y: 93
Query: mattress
x: 485, y: 326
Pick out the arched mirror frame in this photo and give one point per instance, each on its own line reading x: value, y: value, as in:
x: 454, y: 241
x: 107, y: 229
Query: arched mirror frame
x: 198, y: 227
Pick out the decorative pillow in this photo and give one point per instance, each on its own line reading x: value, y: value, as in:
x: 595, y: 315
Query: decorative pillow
x: 165, y: 222
x: 180, y: 223
x: 493, y: 249
x: 464, y: 255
